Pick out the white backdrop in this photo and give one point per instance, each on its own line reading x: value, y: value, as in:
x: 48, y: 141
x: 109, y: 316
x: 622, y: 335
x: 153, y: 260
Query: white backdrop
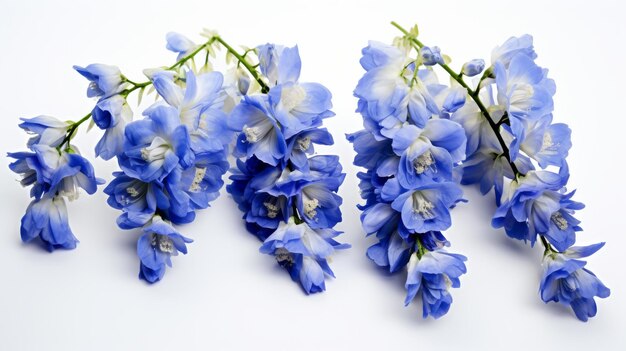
x: 224, y: 295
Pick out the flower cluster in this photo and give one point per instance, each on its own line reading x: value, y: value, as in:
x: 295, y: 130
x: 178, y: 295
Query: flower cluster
x: 411, y: 151
x: 55, y: 170
x: 172, y: 161
x: 513, y: 147
x: 289, y: 199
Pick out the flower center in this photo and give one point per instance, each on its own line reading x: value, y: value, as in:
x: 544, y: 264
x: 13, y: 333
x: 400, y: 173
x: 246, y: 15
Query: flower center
x: 424, y: 162
x: 272, y: 209
x: 197, y: 179
x: 292, y: 96
x: 163, y: 243
x: 132, y: 191
x: 284, y: 257
x: 156, y: 151
x: 304, y: 143
x: 252, y: 134
x: 422, y: 207
x: 310, y: 206
x: 558, y: 220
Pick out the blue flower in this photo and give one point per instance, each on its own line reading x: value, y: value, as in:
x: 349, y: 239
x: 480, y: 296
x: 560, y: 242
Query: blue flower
x: 296, y: 106
x: 193, y: 188
x: 261, y: 135
x: 138, y: 200
x: 155, y: 248
x: 46, y: 218
x: 180, y: 44
x: 53, y: 175
x: 318, y: 203
x: 263, y: 212
x: 377, y: 54
x: 512, y: 47
x: 536, y: 204
x: 523, y: 88
x: 200, y: 107
x: 525, y: 93
x: 279, y: 64
x: 425, y: 207
x: 473, y: 67
x: 54, y: 172
x: 428, y: 153
x: 32, y: 168
x: 383, y: 96
x: 302, y: 143
x: 111, y: 115
x: 431, y: 56
x: 303, y: 252
x: 394, y: 245
x: 372, y: 153
x: 105, y: 80
x: 156, y: 145
x: 565, y: 280
x: 432, y: 275
x: 46, y: 130
x: 546, y: 143
x: 488, y: 168
x: 300, y: 106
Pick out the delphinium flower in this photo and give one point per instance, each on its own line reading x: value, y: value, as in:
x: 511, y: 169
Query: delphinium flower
x: 172, y: 161
x: 289, y: 198
x: 55, y: 170
x: 411, y: 151
x: 514, y: 147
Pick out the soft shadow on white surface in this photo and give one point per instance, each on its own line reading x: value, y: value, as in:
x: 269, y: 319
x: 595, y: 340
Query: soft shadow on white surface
x: 224, y: 295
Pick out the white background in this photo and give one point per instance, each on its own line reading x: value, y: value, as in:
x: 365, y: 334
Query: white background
x: 224, y: 295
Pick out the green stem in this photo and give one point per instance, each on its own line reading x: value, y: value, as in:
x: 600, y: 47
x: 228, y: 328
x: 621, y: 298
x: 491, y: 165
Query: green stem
x: 494, y: 126
x: 421, y: 250
x: 548, y: 249
x: 474, y: 95
x: 182, y: 61
x: 70, y: 132
x: 245, y: 63
x: 264, y: 88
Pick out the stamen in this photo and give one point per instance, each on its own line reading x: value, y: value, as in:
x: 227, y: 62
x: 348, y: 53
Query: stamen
x: 424, y: 162
x: 162, y: 242
x: 197, y: 179
x: 272, y: 209
x: 284, y: 257
x: 422, y: 207
x: 132, y: 191
x: 309, y: 208
x: 252, y: 134
x: 304, y: 143
x: 559, y: 220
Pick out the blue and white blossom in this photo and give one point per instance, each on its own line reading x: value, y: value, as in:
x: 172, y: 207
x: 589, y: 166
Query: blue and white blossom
x: 431, y: 275
x: 159, y: 242
x: 412, y: 152
x: 180, y: 44
x: 511, y: 142
x: 566, y: 280
x: 104, y: 80
x: 288, y: 197
x: 54, y: 176
x: 172, y: 161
